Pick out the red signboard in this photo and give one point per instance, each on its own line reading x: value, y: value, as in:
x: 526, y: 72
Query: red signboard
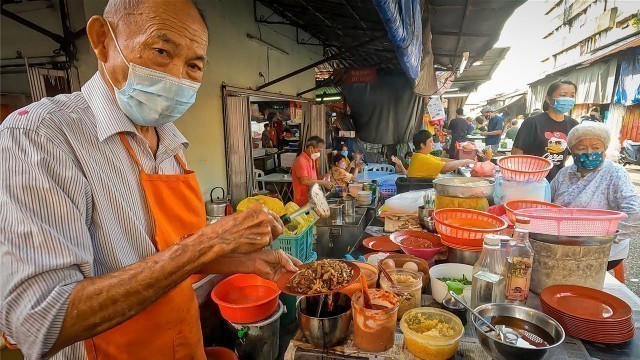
x: 356, y: 75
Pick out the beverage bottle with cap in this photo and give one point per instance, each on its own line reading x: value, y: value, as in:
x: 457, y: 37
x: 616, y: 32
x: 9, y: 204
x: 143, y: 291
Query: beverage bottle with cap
x: 487, y: 285
x: 519, y: 262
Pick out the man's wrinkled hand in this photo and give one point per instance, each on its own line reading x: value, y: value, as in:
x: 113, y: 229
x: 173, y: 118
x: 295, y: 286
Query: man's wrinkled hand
x: 271, y: 264
x: 248, y: 231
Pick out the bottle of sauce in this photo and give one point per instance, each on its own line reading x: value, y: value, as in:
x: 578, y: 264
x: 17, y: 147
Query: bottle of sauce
x: 487, y: 285
x: 519, y: 262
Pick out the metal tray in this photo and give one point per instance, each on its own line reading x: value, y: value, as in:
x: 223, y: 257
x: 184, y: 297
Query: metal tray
x: 452, y: 186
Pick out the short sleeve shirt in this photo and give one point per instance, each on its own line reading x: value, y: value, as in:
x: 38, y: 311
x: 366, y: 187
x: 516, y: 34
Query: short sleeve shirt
x: 303, y: 166
x: 494, y: 124
x: 459, y: 129
x: 424, y: 166
x: 340, y: 177
x: 540, y: 135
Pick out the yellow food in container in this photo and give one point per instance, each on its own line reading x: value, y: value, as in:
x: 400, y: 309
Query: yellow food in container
x: 407, y: 287
x: 431, y: 333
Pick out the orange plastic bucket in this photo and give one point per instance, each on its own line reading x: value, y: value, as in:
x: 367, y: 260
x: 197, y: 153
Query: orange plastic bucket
x: 220, y: 353
x: 246, y: 298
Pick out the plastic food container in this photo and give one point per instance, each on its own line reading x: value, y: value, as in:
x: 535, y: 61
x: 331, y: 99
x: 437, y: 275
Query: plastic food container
x: 374, y: 329
x: 439, y: 289
x: 409, y: 291
x: 370, y: 273
x: 246, y: 298
x: 423, y: 341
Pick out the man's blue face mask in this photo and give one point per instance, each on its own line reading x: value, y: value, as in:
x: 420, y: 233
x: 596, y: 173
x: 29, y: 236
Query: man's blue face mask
x: 588, y: 161
x: 151, y: 97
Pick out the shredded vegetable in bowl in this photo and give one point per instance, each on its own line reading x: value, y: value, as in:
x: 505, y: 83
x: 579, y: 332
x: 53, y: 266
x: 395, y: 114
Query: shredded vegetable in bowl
x: 320, y: 277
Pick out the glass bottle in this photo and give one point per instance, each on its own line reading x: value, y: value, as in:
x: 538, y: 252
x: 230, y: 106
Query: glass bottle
x: 519, y: 263
x: 487, y: 285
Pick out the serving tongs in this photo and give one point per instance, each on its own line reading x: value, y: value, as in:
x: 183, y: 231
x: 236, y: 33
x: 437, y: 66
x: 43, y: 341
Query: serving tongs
x: 317, y: 202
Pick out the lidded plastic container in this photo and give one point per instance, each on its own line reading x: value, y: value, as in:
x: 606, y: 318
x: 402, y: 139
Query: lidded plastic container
x: 431, y: 333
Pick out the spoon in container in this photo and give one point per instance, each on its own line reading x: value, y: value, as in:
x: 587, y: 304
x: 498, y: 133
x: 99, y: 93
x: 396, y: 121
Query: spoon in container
x: 500, y: 333
x: 366, y: 299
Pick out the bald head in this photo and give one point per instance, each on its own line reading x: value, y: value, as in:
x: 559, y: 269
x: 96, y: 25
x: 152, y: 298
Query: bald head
x: 120, y: 9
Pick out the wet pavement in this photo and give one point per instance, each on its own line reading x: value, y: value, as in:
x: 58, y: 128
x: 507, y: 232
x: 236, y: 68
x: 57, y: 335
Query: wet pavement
x: 632, y: 263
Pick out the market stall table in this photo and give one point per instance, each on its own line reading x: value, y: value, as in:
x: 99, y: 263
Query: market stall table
x: 283, y: 184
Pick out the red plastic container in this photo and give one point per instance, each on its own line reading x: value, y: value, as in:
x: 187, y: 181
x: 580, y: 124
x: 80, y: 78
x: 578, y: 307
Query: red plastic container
x: 246, y: 298
x: 512, y: 206
x: 524, y: 167
x: 220, y: 353
x: 466, y: 227
x: 427, y: 254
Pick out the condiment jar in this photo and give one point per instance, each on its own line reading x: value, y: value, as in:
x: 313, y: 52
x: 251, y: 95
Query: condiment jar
x: 409, y: 291
x: 374, y: 329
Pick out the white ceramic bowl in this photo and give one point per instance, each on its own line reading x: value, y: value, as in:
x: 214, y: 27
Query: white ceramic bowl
x: 439, y: 289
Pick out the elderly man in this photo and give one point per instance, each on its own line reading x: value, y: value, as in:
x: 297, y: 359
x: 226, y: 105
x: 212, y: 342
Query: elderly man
x: 102, y: 222
x: 304, y: 172
x: 494, y: 128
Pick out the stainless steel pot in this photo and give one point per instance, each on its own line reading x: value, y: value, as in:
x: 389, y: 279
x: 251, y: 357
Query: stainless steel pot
x: 503, y: 351
x: 574, y: 240
x: 463, y: 256
x: 331, y: 327
x: 349, y: 205
x: 336, y: 214
x: 217, y: 207
x: 455, y: 187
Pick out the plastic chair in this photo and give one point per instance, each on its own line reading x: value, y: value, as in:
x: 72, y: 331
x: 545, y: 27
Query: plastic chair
x: 256, y: 184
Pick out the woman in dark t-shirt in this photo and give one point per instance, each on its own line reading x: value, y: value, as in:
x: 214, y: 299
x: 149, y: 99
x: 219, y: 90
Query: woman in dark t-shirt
x: 545, y: 134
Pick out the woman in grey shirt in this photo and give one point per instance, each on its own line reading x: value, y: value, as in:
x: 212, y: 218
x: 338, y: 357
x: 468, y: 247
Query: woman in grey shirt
x: 595, y: 182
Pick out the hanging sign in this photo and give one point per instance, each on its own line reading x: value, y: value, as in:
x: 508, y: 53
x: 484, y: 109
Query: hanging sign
x: 356, y: 75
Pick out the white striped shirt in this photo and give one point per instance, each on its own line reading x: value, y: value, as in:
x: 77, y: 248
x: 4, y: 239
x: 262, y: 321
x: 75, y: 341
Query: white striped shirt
x: 71, y: 206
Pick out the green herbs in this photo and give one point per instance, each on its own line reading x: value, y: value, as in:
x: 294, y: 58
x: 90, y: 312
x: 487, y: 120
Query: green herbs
x: 463, y: 280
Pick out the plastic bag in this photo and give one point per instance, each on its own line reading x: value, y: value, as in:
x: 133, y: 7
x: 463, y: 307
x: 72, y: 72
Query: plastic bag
x: 271, y: 203
x: 406, y: 203
x: 508, y: 190
x: 483, y: 169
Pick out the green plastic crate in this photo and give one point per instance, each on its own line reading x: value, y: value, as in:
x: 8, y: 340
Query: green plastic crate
x: 299, y: 246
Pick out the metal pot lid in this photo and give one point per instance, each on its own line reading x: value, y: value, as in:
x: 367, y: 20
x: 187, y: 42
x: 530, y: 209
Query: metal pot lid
x: 574, y: 240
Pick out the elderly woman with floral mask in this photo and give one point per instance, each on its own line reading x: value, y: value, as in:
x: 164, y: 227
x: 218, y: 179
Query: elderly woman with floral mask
x: 595, y: 182
x: 341, y: 172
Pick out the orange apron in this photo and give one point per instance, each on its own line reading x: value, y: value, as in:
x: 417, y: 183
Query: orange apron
x: 170, y: 327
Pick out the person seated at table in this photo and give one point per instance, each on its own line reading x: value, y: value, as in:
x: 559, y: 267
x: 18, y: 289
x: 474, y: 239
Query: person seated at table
x: 402, y: 165
x: 594, y: 182
x: 425, y: 165
x: 341, y: 172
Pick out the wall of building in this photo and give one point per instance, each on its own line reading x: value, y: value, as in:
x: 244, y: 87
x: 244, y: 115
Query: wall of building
x: 576, y: 28
x: 233, y: 60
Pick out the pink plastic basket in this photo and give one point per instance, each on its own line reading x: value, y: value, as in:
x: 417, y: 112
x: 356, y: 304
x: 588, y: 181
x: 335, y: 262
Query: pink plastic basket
x: 524, y: 167
x: 515, y: 205
x: 572, y: 222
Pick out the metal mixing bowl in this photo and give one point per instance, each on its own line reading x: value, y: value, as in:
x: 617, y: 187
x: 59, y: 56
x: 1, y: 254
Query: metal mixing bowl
x: 463, y: 256
x: 325, y: 331
x: 502, y: 351
x: 455, y: 187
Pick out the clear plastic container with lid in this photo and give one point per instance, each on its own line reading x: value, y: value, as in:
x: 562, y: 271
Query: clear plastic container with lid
x: 431, y: 333
x: 487, y: 285
x: 407, y: 287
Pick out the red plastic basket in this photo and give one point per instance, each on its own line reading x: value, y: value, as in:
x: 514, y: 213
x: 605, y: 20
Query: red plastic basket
x: 573, y: 222
x: 524, y: 167
x: 515, y: 205
x: 460, y: 226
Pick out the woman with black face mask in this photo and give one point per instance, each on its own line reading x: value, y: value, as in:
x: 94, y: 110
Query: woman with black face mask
x: 545, y: 134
